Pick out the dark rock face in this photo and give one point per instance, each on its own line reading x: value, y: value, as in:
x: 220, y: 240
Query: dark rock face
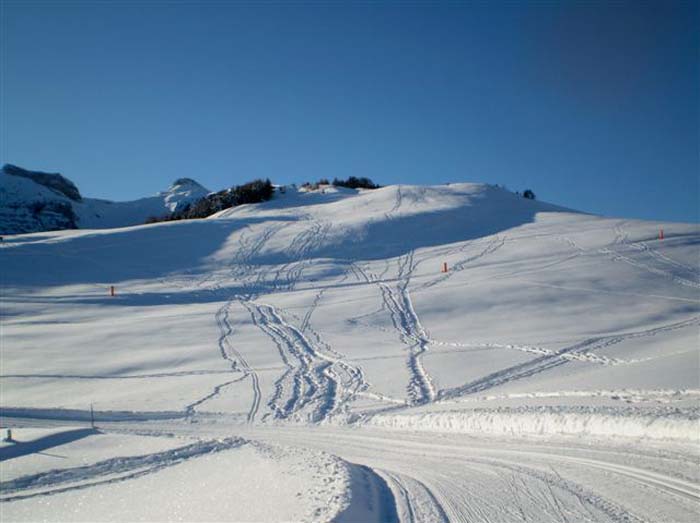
x: 53, y: 181
x: 54, y: 216
x: 40, y: 215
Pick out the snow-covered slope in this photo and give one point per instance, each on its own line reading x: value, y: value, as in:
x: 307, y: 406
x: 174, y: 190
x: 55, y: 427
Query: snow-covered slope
x: 100, y: 214
x: 28, y: 205
x: 332, y: 308
x: 123, y: 467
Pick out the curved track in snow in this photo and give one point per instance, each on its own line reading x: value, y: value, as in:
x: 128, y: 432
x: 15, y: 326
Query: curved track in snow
x: 453, y: 478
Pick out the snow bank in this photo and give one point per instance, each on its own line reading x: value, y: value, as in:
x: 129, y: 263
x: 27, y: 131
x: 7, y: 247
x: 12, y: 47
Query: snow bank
x: 228, y: 479
x: 546, y: 421
x: 370, y: 500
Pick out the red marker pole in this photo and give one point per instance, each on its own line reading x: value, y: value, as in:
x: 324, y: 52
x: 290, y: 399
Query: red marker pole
x: 111, y: 290
x: 661, y: 234
x: 444, y: 266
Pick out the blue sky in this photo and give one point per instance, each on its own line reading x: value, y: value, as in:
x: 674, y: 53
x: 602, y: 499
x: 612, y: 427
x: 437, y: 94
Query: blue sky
x: 592, y: 105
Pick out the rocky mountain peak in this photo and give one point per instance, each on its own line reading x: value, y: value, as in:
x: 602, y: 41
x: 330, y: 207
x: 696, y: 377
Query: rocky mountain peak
x: 54, y: 181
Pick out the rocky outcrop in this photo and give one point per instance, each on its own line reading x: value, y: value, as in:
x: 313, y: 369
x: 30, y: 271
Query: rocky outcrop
x: 53, y: 181
x: 33, y: 201
x: 26, y: 206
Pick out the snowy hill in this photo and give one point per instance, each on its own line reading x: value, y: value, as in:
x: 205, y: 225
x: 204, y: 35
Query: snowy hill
x: 32, y: 201
x: 101, y: 214
x: 341, y: 276
x: 288, y: 321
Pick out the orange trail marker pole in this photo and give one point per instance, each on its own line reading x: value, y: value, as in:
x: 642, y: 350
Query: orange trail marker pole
x: 111, y: 290
x: 661, y: 234
x: 444, y: 266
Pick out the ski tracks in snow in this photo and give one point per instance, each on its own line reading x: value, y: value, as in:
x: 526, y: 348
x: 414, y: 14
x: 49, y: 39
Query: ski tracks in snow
x: 492, y: 246
x: 439, y: 480
x: 581, y: 351
x: 241, y: 269
x: 300, y: 249
x: 398, y: 302
x: 317, y: 382
x: 306, y: 374
x: 415, y: 503
x: 108, y: 471
x: 238, y: 363
x: 229, y: 352
x: 658, y: 264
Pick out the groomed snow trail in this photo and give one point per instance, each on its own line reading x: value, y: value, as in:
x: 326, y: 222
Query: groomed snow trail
x: 452, y: 478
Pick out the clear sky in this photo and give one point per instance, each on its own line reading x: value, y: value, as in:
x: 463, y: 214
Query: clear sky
x: 593, y: 105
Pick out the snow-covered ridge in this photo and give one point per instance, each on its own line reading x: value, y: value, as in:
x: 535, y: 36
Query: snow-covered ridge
x: 32, y: 201
x: 182, y: 192
x: 54, y: 181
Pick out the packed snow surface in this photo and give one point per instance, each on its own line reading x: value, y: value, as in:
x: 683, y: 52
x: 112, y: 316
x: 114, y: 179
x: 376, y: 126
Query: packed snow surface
x: 325, y: 320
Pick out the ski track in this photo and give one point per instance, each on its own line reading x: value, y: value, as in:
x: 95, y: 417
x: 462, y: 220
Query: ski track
x: 302, y: 245
x: 575, y: 353
x: 317, y: 382
x: 674, y: 486
x: 253, y: 279
x: 398, y: 302
x: 492, y: 246
x: 415, y: 502
x: 581, y: 351
x: 299, y: 385
x: 435, y: 480
x: 237, y: 361
x: 397, y: 204
x: 551, y: 481
x: 622, y: 242
x: 238, y: 364
x: 190, y: 410
x: 124, y: 468
x: 241, y: 269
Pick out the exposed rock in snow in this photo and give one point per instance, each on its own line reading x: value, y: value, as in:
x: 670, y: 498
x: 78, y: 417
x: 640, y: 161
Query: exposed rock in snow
x: 182, y: 192
x: 53, y: 181
x: 28, y: 206
x: 33, y: 201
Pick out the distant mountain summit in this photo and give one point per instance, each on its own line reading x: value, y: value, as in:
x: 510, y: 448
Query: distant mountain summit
x: 53, y: 181
x: 182, y: 192
x: 33, y: 201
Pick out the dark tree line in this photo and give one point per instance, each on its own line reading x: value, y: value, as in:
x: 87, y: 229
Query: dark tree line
x: 252, y: 192
x: 356, y: 183
x: 352, y: 182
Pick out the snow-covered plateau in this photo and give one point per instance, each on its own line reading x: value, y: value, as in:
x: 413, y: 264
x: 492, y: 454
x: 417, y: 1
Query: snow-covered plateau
x: 443, y: 353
